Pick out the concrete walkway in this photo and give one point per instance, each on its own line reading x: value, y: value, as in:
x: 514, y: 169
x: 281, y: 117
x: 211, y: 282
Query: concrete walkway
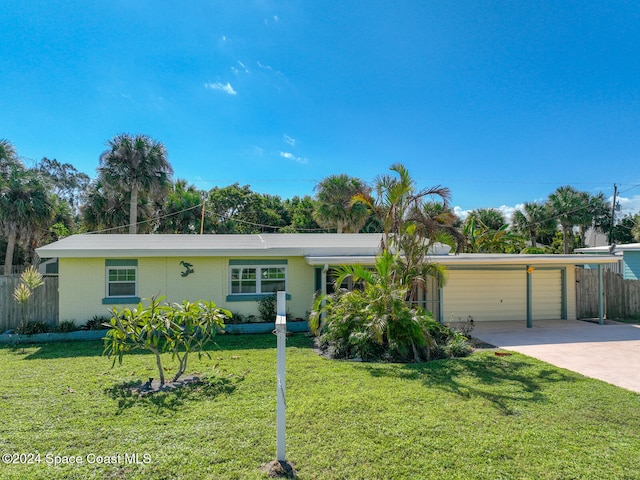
x: 607, y: 352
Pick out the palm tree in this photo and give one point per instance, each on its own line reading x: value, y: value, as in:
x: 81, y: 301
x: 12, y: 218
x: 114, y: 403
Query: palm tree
x: 25, y: 207
x: 8, y: 159
x: 532, y: 219
x: 409, y: 228
x: 105, y: 209
x: 182, y: 210
x: 567, y: 206
x: 395, y: 199
x: 335, y: 209
x: 135, y: 164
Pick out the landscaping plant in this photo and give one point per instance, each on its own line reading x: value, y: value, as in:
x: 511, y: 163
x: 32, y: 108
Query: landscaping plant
x: 29, y: 281
x: 178, y: 329
x: 377, y: 320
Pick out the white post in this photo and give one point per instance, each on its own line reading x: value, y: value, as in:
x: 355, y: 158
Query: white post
x: 281, y: 332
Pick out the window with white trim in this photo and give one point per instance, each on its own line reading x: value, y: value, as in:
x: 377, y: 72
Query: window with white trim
x: 257, y: 279
x: 122, y: 281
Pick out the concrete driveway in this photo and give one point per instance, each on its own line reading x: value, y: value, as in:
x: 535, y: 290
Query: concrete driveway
x: 607, y: 352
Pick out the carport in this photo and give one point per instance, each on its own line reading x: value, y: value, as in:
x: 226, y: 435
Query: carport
x: 504, y: 287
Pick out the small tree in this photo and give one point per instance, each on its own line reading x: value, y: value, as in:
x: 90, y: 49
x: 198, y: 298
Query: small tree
x: 179, y: 329
x: 29, y: 281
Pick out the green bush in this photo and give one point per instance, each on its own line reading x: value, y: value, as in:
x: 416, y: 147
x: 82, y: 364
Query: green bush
x: 96, y: 323
x: 31, y: 328
x: 66, y: 327
x: 268, y: 307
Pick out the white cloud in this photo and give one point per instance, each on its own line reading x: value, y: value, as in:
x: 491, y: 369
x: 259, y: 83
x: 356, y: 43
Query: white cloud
x: 628, y: 205
x: 506, y: 210
x: 291, y: 156
x: 223, y: 87
x: 460, y: 212
x: 290, y: 140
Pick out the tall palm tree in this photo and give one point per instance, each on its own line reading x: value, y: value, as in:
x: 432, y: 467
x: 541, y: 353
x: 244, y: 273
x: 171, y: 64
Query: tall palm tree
x: 25, y: 207
x: 334, y: 207
x: 532, y: 219
x: 567, y: 206
x: 135, y: 164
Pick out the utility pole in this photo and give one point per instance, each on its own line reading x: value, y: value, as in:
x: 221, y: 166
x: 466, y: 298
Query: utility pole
x: 204, y: 200
x: 613, y: 211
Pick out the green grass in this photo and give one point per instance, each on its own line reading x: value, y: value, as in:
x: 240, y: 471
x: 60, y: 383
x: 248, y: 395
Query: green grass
x: 481, y: 417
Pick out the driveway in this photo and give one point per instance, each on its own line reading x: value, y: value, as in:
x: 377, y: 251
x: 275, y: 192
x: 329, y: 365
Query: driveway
x: 607, y: 352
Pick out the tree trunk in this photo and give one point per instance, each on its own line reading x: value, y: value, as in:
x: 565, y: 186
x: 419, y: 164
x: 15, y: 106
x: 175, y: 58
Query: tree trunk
x: 156, y: 352
x: 8, y: 258
x: 133, y: 211
x: 565, y: 238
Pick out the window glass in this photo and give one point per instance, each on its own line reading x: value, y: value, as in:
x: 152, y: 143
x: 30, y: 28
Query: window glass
x: 243, y: 280
x: 272, y: 279
x: 257, y: 279
x: 122, y: 282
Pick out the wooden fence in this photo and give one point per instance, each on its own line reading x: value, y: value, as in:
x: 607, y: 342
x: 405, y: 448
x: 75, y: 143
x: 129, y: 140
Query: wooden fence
x: 622, y: 297
x: 41, y: 307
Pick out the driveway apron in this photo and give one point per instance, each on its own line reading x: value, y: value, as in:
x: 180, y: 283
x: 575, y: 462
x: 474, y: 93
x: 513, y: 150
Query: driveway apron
x: 607, y: 352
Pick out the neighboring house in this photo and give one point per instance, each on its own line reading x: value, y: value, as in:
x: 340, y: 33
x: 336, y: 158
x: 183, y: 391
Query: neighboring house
x: 97, y: 272
x: 628, y: 255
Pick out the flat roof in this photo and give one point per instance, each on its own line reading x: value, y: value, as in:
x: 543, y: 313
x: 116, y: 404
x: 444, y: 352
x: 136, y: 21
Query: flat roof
x: 608, y: 248
x: 269, y: 244
x: 316, y: 248
x: 478, y: 259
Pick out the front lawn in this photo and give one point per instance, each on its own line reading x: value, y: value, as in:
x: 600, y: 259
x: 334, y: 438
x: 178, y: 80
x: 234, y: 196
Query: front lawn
x: 484, y: 417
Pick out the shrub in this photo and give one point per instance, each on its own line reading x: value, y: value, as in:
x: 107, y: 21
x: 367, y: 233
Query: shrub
x: 66, y: 327
x: 235, y: 317
x: 33, y: 327
x: 268, y: 308
x: 96, y: 323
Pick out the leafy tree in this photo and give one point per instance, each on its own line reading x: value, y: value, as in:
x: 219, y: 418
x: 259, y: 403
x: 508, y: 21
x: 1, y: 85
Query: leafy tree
x: 25, y: 207
x: 622, y: 232
x: 300, y: 215
x: 179, y: 329
x: 135, y: 164
x: 335, y: 208
x: 64, y: 181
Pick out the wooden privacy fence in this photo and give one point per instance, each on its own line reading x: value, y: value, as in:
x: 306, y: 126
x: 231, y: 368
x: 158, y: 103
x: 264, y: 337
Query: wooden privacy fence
x: 41, y: 307
x: 622, y: 297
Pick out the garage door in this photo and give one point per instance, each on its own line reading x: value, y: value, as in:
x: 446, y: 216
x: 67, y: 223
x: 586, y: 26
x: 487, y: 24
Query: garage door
x: 489, y: 295
x: 547, y: 294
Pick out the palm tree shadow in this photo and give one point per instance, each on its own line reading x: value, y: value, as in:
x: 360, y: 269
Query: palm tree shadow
x: 128, y: 394
x: 502, y: 382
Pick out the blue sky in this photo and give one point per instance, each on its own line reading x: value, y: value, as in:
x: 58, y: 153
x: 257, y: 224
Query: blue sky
x: 500, y: 101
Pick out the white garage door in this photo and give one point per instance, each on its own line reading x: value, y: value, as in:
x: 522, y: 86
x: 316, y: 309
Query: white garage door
x: 491, y: 295
x: 547, y: 294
